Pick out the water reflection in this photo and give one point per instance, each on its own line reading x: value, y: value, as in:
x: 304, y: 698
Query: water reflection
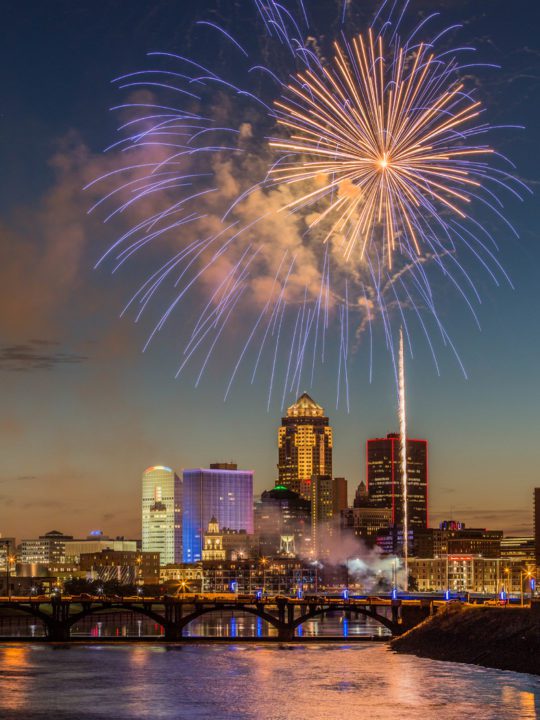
x: 14, y: 676
x: 215, y: 624
x: 252, y: 681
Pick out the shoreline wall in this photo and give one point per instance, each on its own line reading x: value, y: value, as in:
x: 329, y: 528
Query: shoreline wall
x: 505, y: 638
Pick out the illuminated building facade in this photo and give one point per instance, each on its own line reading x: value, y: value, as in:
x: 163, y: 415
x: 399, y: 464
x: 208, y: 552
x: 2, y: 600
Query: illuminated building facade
x: 183, y: 577
x: 8, y: 548
x: 274, y: 576
x: 365, y: 522
x: 518, y: 548
x: 304, y: 446
x: 384, y: 479
x: 213, y: 542
x: 452, y: 538
x: 95, y: 542
x: 47, y: 549
x: 226, y: 495
x: 468, y: 573
x: 125, y: 568
x: 162, y: 513
x: 322, y: 512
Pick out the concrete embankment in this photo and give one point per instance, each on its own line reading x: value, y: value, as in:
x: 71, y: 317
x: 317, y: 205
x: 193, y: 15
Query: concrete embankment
x: 506, y: 638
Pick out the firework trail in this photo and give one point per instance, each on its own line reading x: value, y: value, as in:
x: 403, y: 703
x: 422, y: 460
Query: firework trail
x: 312, y: 202
x: 403, y: 442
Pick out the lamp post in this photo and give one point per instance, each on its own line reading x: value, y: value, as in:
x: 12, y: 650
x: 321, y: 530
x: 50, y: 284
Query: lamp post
x: 524, y: 573
x: 264, y: 561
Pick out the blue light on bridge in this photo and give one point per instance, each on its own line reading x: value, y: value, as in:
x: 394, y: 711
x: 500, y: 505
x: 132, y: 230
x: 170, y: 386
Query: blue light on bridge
x: 258, y: 594
x: 447, y: 595
x: 532, y: 584
x: 394, y: 593
x: 345, y: 593
x: 299, y: 593
x: 234, y: 586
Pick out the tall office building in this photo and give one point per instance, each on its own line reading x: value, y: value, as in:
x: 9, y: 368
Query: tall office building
x: 162, y: 514
x: 322, y: 512
x: 537, y: 527
x: 384, y: 479
x: 340, y: 498
x: 225, y: 494
x: 305, y: 446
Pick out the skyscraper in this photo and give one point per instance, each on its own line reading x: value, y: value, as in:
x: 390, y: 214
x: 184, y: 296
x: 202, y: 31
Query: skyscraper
x: 225, y: 494
x: 384, y: 478
x: 162, y: 513
x: 305, y: 446
x: 322, y: 512
x: 340, y: 498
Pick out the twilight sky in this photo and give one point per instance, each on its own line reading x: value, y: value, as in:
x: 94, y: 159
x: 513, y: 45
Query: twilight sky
x: 84, y: 411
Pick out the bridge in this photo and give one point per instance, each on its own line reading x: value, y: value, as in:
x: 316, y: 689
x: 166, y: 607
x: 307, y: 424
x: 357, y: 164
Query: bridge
x: 59, y: 614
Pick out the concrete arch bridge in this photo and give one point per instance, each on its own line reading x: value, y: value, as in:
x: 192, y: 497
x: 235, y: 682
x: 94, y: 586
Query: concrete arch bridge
x: 286, y: 615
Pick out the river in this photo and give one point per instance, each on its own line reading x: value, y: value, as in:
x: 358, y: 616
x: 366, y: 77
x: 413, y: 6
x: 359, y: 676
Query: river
x: 148, y: 681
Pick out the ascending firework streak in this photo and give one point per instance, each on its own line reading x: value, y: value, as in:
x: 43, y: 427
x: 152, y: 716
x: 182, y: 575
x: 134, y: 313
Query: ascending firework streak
x: 361, y: 195
x: 403, y: 441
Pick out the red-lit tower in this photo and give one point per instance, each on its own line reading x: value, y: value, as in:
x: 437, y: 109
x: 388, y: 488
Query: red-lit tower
x: 384, y: 482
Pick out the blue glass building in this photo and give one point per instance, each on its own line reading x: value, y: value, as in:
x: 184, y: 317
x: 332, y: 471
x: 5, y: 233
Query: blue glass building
x: 221, y: 491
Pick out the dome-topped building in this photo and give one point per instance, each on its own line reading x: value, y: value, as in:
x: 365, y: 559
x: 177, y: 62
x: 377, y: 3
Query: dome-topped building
x: 304, y: 446
x: 305, y: 407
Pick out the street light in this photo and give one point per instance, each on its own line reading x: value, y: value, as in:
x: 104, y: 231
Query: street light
x: 264, y: 562
x: 528, y: 574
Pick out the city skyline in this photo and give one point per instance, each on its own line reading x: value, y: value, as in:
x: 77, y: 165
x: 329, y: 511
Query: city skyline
x: 85, y: 412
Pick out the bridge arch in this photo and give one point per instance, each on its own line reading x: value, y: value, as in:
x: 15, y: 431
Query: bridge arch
x: 258, y: 612
x: 29, y: 610
x: 96, y: 609
x: 321, y: 610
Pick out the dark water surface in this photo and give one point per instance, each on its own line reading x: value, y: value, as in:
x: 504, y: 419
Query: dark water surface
x: 252, y: 682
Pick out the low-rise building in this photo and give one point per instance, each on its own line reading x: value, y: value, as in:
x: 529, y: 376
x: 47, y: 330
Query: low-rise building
x: 95, y: 542
x: 453, y: 538
x: 124, y: 567
x: 272, y: 576
x: 470, y: 573
x: 44, y: 550
x: 182, y: 577
x: 365, y: 522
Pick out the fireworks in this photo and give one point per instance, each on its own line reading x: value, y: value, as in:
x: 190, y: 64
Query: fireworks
x: 403, y: 451
x: 366, y: 190
x: 383, y: 135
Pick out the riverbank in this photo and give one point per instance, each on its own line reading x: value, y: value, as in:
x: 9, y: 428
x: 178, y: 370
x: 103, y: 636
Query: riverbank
x: 199, y: 640
x: 504, y: 638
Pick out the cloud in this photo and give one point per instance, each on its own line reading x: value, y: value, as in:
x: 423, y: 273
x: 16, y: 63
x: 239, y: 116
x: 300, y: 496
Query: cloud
x: 34, y: 355
x: 19, y: 478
